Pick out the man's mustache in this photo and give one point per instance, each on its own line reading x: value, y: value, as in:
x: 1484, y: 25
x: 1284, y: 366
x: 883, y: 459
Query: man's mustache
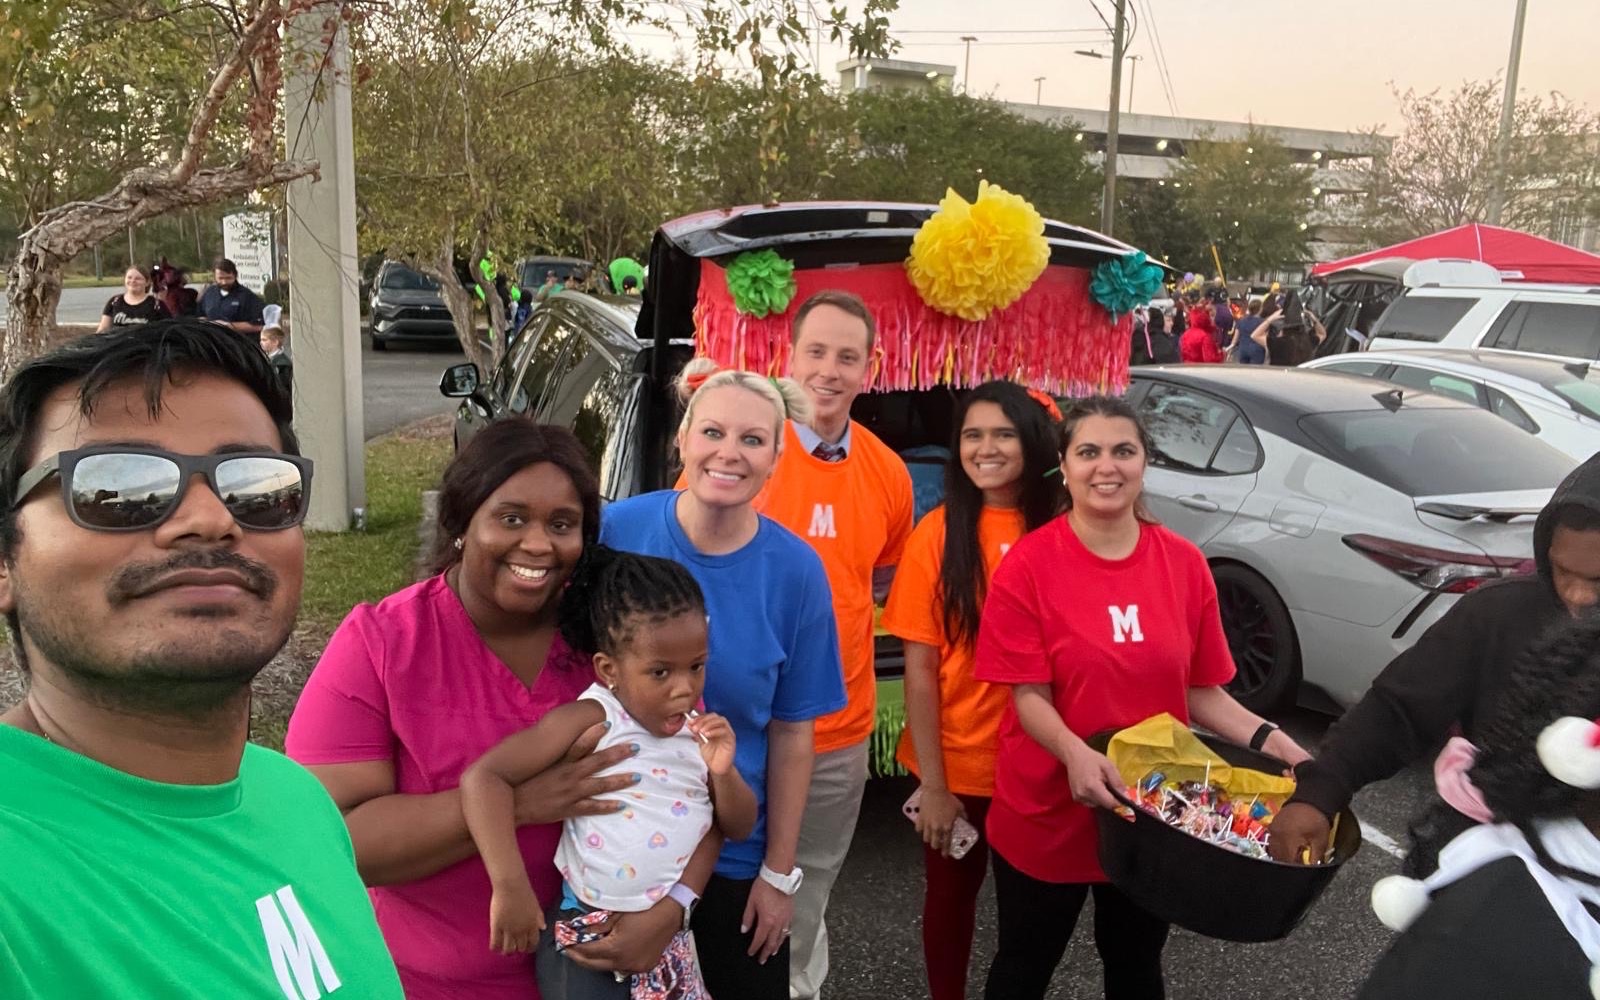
x: 139, y: 579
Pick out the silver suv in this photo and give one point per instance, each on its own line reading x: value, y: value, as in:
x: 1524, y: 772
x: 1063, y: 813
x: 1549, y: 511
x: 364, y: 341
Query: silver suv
x: 1553, y: 321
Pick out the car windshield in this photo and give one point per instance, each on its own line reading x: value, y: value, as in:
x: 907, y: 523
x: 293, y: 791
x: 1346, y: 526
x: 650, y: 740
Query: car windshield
x: 405, y: 279
x: 1582, y: 394
x: 1428, y: 451
x: 533, y: 272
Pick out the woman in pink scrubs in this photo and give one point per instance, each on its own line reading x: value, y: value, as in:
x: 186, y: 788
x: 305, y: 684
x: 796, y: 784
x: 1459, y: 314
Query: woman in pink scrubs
x: 414, y: 689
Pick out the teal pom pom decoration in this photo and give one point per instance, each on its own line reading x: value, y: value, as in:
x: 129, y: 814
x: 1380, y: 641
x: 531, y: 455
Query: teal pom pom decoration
x: 1121, y: 284
x: 761, y: 283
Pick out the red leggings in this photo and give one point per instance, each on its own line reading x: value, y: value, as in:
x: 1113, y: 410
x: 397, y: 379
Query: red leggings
x: 950, y: 908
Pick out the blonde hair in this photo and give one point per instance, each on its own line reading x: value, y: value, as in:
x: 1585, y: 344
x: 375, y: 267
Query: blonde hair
x: 784, y: 395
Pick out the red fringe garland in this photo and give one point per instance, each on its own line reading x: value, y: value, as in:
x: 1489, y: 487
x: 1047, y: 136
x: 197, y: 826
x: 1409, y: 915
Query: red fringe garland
x: 1055, y: 338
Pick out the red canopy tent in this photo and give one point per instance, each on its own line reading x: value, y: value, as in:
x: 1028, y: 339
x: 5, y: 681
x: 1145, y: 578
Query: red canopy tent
x: 1518, y: 256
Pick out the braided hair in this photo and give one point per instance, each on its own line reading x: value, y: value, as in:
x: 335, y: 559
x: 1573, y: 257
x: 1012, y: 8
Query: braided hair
x: 1558, y: 676
x: 611, y: 593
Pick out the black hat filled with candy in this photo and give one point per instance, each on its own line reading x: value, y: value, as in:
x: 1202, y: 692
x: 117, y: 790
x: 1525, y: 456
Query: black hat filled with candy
x: 1189, y: 843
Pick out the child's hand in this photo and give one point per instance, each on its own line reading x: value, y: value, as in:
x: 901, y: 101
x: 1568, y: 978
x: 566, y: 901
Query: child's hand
x: 717, y: 744
x: 515, y: 920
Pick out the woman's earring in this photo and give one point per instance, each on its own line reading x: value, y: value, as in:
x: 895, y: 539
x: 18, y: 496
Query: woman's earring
x: 458, y: 545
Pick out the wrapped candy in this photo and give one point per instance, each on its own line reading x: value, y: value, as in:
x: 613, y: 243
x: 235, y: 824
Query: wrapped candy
x: 1204, y: 810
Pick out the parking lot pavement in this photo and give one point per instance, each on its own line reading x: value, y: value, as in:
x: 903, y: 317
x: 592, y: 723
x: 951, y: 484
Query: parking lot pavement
x: 401, y: 384
x: 874, y: 920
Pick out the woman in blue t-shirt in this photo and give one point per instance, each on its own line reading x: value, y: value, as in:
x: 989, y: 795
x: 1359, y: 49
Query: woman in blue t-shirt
x: 774, y: 664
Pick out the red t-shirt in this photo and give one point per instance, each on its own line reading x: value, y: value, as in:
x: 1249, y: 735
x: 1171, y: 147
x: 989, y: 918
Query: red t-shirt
x: 1117, y: 642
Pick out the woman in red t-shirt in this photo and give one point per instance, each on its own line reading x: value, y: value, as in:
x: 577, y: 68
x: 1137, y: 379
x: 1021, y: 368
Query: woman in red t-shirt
x: 1098, y: 620
x: 995, y: 490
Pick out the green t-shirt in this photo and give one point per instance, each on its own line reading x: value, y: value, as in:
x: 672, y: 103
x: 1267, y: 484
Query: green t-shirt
x: 117, y: 887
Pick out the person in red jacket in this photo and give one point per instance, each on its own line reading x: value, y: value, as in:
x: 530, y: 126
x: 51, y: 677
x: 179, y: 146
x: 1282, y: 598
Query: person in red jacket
x: 1199, y: 342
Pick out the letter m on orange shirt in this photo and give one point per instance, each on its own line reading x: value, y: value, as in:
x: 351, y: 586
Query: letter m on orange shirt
x: 822, y: 524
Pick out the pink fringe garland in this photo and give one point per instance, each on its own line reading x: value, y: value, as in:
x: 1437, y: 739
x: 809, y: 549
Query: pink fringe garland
x: 1055, y: 338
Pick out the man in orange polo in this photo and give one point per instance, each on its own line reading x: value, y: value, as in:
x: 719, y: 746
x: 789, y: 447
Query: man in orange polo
x: 847, y: 494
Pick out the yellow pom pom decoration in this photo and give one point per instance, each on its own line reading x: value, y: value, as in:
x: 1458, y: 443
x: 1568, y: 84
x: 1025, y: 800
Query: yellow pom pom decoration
x: 970, y: 259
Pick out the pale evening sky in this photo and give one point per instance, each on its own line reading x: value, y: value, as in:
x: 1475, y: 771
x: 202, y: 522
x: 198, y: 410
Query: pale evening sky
x: 1279, y: 62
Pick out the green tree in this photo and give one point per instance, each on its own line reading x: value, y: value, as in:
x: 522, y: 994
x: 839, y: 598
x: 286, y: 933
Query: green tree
x: 1251, y: 198
x: 120, y: 111
x: 726, y: 157
x: 1161, y: 226
x: 1441, y: 169
x: 913, y: 145
x: 514, y: 142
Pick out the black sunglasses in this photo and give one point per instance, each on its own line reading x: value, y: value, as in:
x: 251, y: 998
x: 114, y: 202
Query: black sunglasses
x: 118, y: 488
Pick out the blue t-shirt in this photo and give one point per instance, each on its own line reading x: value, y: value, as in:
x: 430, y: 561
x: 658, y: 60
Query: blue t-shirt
x: 1250, y: 352
x: 774, y: 642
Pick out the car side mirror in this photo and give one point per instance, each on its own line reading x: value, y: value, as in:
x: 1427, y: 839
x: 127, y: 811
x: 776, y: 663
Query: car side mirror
x: 460, y: 381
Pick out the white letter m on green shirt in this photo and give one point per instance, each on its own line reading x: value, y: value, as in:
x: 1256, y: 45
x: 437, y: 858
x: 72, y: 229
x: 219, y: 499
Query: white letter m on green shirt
x: 298, y: 957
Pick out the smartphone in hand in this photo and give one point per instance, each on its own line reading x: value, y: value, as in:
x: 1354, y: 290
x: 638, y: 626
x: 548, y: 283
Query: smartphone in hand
x: 963, y: 835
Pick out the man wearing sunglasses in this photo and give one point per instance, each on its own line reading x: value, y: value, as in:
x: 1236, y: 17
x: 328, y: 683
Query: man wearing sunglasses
x: 151, y: 555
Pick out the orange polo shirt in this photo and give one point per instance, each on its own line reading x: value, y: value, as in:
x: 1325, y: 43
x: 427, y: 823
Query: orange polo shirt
x: 856, y: 513
x: 969, y: 709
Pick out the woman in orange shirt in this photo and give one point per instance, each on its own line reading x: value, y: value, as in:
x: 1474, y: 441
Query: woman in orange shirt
x: 1000, y: 486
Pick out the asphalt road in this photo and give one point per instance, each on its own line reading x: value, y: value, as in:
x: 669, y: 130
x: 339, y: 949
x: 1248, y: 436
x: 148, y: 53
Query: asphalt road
x: 874, y: 921
x: 399, y: 385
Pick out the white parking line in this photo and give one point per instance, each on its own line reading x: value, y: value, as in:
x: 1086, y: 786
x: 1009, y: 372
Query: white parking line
x: 1382, y: 841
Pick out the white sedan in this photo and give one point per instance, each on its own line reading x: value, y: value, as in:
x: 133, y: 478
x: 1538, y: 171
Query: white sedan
x: 1556, y: 402
x: 1341, y: 516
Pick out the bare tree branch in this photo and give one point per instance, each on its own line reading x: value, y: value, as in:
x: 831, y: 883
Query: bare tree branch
x: 266, y: 22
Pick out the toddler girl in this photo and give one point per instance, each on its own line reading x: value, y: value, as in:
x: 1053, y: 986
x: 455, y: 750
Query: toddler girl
x: 645, y: 620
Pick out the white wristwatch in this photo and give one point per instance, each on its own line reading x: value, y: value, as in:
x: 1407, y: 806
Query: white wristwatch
x: 787, y: 884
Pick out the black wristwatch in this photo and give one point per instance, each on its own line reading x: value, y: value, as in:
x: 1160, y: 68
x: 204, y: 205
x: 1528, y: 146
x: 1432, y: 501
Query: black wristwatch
x: 1259, y: 740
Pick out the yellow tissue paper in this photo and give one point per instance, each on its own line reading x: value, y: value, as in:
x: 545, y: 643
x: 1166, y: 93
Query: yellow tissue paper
x: 1162, y: 743
x: 971, y: 258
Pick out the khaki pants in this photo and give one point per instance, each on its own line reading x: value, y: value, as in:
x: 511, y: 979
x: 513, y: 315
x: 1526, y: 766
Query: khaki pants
x: 838, y: 779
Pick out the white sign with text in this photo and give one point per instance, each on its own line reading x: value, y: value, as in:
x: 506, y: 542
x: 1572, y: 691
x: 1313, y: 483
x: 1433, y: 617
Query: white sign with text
x: 247, y: 241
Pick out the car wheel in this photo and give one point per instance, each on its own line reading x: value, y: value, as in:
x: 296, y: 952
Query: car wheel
x: 379, y: 344
x: 1266, y: 652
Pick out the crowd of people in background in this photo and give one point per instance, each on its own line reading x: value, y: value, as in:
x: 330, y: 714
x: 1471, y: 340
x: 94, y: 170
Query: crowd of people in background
x: 1210, y: 327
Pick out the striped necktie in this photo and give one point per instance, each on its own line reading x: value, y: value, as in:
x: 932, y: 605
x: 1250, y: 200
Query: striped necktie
x: 828, y: 452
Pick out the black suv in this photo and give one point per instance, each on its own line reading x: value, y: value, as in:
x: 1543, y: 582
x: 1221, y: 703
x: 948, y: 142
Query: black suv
x: 407, y: 305
x: 577, y: 363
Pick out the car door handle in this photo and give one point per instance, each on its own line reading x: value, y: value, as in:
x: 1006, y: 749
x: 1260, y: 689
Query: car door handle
x: 1200, y: 503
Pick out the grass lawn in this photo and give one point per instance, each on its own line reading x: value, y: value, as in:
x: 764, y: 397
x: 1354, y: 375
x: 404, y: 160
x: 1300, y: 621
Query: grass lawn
x: 343, y: 569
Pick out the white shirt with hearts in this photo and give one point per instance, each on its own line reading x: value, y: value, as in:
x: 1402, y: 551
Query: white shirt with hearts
x: 626, y: 861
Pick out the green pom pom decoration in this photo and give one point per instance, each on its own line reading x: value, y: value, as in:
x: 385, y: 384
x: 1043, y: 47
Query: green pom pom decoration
x: 1124, y: 283
x: 761, y: 283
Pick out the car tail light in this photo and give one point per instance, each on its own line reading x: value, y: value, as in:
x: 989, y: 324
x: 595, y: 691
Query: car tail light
x: 1438, y: 569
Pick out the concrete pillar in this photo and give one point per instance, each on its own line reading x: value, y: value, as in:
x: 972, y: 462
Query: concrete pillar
x: 324, y: 275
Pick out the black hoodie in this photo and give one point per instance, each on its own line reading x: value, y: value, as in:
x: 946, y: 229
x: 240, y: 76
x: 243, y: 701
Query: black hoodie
x: 1453, y: 676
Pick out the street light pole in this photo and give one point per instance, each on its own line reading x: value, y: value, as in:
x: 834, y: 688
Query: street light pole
x: 966, y: 68
x: 1133, y: 77
x: 1108, y: 205
x: 1508, y: 109
x: 1038, y: 91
